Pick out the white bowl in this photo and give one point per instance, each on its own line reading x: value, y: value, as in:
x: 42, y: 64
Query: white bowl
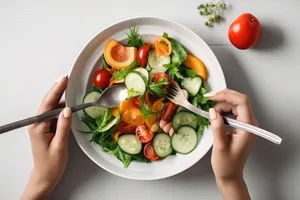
x: 80, y: 81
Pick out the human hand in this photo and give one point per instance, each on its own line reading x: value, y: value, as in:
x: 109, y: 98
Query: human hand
x: 49, y: 144
x: 231, y: 150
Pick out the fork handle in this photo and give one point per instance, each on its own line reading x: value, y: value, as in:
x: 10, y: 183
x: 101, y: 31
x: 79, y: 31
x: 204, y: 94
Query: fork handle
x: 39, y: 118
x: 240, y: 125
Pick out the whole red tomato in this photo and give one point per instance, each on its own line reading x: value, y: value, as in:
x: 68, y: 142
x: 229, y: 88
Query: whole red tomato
x: 245, y: 31
x: 142, y: 54
x: 102, y: 78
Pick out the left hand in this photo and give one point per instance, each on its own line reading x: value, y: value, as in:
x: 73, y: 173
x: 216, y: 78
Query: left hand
x: 49, y: 143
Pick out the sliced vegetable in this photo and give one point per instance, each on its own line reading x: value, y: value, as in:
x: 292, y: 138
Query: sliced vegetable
x: 162, y: 145
x: 144, y: 134
x: 123, y: 127
x: 94, y: 111
x: 157, y: 61
x: 158, y: 105
x: 192, y: 85
x: 136, y: 102
x: 109, y: 125
x: 197, y: 65
x: 125, y: 105
x: 168, y: 111
x: 144, y: 72
x: 150, y: 120
x: 149, y: 152
x: 118, y: 56
x: 142, y: 54
x: 183, y: 118
x: 116, y: 136
x: 130, y: 144
x: 134, y: 82
x: 184, y: 140
x: 163, y: 46
x: 133, y: 116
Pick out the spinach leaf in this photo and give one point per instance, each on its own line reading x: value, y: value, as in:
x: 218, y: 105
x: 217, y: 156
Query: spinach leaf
x: 140, y: 158
x: 104, y: 63
x: 179, y: 54
x: 89, y: 122
x: 190, y: 73
x: 103, y: 119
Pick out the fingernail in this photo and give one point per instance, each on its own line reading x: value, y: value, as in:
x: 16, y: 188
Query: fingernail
x: 212, y: 114
x: 60, y: 79
x: 211, y: 94
x: 67, y: 112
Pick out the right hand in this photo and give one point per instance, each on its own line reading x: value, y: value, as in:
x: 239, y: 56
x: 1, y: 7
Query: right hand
x: 230, y: 150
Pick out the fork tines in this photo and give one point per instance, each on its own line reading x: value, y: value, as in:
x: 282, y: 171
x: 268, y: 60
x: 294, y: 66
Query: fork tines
x: 172, y: 92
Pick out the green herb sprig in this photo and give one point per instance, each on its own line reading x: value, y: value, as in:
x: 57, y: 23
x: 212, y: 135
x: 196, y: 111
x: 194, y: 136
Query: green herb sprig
x: 212, y: 11
x: 134, y: 39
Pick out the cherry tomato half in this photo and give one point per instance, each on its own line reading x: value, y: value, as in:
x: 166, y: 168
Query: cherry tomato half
x: 123, y: 127
x: 142, y: 54
x: 160, y: 75
x: 168, y: 111
x: 144, y: 134
x: 136, y: 102
x: 102, y: 78
x: 149, y: 152
x: 245, y: 32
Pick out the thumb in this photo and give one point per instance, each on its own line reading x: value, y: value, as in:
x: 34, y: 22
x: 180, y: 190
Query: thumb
x: 63, y: 127
x: 217, y: 124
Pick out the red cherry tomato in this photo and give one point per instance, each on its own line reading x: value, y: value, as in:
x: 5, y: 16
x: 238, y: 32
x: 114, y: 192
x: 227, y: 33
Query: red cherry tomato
x: 102, y: 78
x: 245, y: 32
x: 142, y: 54
x: 160, y: 75
x: 144, y: 134
x: 149, y: 152
x: 123, y: 127
x: 136, y: 102
x: 168, y: 111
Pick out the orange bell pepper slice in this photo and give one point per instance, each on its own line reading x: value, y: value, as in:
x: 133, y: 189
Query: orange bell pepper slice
x: 150, y: 120
x: 158, y: 105
x: 133, y: 116
x: 163, y: 46
x: 125, y: 105
x: 116, y: 136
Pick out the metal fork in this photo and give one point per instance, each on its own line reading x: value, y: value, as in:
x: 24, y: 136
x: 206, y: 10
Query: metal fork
x: 175, y: 94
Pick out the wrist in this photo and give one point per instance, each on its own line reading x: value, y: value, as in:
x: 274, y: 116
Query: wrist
x: 37, y: 188
x: 233, y: 188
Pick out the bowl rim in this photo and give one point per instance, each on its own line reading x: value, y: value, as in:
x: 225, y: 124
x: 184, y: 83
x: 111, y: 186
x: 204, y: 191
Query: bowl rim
x: 205, y: 151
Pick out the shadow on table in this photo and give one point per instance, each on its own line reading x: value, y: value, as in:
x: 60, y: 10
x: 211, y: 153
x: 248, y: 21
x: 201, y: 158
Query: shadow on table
x: 272, y: 38
x: 268, y: 157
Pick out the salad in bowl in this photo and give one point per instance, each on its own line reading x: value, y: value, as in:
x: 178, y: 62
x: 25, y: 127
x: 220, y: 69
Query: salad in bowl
x: 147, y: 127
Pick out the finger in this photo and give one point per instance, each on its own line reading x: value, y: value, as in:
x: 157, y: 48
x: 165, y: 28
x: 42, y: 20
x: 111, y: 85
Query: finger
x: 225, y: 107
x: 232, y: 91
x: 61, y: 104
x: 52, y: 98
x: 221, y: 140
x: 50, y: 102
x: 63, y: 128
x: 232, y: 98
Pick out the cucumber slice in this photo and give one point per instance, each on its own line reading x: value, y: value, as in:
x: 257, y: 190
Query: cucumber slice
x: 94, y: 111
x: 184, y: 140
x: 162, y: 145
x: 108, y: 125
x: 134, y: 81
x: 192, y: 85
x: 144, y: 72
x: 180, y: 108
x: 183, y: 118
x: 148, y: 68
x: 130, y: 144
x: 157, y: 61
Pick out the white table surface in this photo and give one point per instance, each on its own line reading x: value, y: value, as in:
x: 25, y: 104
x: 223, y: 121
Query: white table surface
x: 39, y: 41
